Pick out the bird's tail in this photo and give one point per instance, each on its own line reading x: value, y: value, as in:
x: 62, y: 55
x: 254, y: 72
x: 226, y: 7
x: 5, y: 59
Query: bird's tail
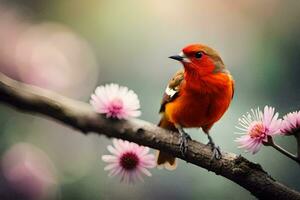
x: 165, y: 160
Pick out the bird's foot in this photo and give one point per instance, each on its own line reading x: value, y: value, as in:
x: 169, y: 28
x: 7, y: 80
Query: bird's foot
x: 216, y: 151
x: 184, y: 137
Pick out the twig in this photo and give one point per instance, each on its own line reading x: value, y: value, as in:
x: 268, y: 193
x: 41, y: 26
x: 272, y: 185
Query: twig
x: 297, y: 135
x: 285, y: 152
x: 270, y: 142
x: 80, y: 116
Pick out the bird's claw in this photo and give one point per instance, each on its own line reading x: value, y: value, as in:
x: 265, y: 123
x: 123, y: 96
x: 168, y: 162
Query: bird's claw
x: 184, y: 143
x: 216, y: 151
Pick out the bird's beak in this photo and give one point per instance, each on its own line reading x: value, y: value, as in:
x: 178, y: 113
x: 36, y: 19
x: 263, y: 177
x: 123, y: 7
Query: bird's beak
x: 181, y: 57
x: 177, y: 57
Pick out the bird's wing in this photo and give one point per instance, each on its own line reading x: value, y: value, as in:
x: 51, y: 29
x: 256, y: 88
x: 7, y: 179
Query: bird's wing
x: 172, y: 89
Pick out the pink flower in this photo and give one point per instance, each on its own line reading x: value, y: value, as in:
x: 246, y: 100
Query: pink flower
x: 128, y: 160
x: 256, y: 128
x: 291, y: 123
x: 29, y: 172
x: 115, y: 101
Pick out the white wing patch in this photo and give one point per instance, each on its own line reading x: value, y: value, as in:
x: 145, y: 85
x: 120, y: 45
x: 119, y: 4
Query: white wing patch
x: 169, y: 91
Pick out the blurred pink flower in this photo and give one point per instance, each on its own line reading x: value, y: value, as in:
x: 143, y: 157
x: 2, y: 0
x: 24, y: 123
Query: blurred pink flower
x: 116, y: 101
x: 29, y: 171
x: 46, y: 54
x: 291, y: 123
x: 128, y: 160
x: 256, y: 128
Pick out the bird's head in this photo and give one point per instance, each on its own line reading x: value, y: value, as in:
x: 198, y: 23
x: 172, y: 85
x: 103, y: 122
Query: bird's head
x: 200, y: 59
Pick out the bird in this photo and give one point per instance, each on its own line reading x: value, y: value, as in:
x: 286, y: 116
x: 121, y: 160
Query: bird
x: 197, y: 96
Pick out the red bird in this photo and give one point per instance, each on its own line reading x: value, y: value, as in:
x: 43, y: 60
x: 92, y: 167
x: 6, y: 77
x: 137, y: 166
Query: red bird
x: 196, y: 97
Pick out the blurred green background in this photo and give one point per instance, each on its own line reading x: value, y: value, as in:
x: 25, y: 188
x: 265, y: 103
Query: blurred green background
x: 71, y: 46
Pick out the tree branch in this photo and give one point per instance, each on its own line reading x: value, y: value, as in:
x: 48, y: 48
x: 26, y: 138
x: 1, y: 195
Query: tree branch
x: 80, y: 116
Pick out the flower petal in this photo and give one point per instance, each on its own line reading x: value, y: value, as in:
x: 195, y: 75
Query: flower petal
x: 110, y: 166
x: 109, y: 158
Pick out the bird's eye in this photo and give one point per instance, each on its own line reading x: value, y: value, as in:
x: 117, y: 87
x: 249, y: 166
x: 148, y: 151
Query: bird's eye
x: 198, y: 54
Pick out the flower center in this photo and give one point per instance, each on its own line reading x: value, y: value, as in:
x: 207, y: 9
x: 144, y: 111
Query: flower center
x: 116, y: 107
x: 129, y: 161
x: 294, y: 130
x: 258, y: 130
